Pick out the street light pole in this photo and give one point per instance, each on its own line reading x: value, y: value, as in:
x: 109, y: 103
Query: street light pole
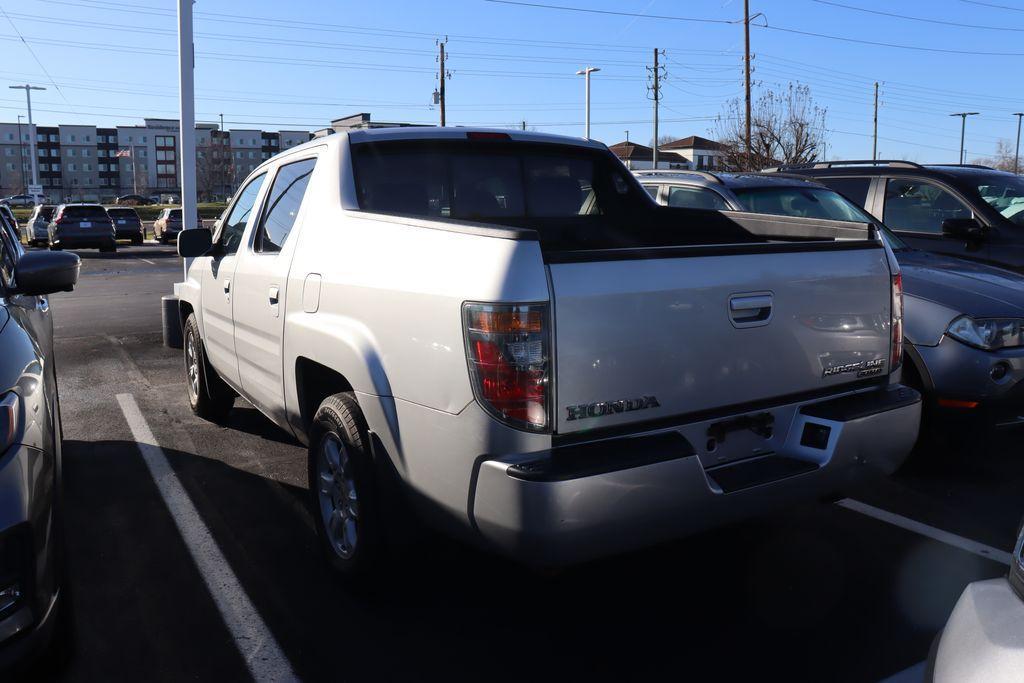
x: 963, y: 127
x: 31, y: 131
x: 1016, y: 154
x: 20, y: 153
x: 586, y: 75
x: 187, y: 126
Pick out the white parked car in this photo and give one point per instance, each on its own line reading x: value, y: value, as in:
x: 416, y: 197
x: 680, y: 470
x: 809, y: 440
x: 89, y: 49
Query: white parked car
x: 504, y: 331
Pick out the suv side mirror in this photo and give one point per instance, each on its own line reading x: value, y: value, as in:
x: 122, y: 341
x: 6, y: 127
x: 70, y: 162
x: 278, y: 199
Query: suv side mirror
x: 46, y: 272
x: 963, y: 229
x: 194, y: 242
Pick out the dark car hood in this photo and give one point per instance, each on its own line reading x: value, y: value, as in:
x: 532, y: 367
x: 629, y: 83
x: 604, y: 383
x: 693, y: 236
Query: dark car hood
x: 973, y: 288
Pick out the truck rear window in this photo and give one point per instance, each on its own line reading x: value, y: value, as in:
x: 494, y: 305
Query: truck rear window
x: 485, y: 181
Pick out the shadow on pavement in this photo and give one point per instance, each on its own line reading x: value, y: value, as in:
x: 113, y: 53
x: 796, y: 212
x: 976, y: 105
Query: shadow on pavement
x: 816, y: 594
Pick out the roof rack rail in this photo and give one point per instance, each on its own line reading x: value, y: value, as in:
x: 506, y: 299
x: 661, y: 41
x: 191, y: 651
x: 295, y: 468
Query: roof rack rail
x: 707, y: 175
x: 899, y: 163
x: 988, y: 168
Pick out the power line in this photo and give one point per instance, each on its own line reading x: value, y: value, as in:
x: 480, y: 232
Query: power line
x: 918, y: 48
x: 32, y: 52
x: 919, y: 19
x: 610, y: 12
x: 989, y: 4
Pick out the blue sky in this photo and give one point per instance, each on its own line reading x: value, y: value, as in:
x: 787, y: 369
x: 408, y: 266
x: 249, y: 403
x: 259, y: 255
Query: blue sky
x: 272, y: 65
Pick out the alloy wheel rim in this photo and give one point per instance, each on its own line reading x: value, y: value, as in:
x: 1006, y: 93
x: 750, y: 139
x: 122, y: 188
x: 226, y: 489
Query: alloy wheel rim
x: 192, y: 366
x: 336, y: 490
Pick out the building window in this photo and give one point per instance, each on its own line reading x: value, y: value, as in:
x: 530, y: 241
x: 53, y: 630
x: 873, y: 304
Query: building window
x: 72, y: 167
x: 238, y: 155
x: 143, y: 153
x: 54, y: 137
x: 144, y: 139
x: 86, y: 167
x: 41, y: 152
x: 252, y: 155
x: 10, y: 136
x: 71, y: 152
x: 199, y: 154
x: 74, y: 181
x: 87, y: 139
x: 10, y: 166
x: 72, y: 138
x: 8, y: 152
x: 129, y: 138
x: 44, y: 167
x: 55, y: 167
x: 85, y: 152
x: 54, y: 152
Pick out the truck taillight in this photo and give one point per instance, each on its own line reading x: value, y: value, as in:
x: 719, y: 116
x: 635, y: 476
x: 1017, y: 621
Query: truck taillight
x: 508, y: 347
x: 897, y: 322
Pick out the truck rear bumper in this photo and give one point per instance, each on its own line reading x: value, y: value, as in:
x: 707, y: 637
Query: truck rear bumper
x: 580, y: 501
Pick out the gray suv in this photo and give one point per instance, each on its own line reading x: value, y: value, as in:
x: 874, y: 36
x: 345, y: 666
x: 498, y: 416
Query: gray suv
x: 971, y: 211
x: 36, y: 231
x: 963, y: 320
x: 34, y: 609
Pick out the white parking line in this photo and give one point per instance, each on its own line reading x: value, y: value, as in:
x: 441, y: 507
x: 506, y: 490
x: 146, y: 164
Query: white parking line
x: 146, y: 260
x: 986, y: 551
x: 259, y: 649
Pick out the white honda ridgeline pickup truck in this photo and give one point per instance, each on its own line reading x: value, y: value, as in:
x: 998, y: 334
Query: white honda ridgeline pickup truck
x: 503, y: 330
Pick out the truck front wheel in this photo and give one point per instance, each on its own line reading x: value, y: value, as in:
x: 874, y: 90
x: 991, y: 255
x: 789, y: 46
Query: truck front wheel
x: 208, y: 396
x: 342, y: 488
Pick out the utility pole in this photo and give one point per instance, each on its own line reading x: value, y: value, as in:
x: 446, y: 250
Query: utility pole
x: 524, y: 124
x: 21, y: 155
x: 627, y: 136
x: 443, y: 76
x: 1016, y: 155
x: 874, y: 147
x: 746, y: 69
x: 656, y: 97
x: 31, y: 131
x: 963, y: 127
x: 586, y: 75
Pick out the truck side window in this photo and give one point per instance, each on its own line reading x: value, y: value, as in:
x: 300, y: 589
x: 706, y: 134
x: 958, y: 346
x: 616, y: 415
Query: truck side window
x: 283, y: 205
x: 917, y: 206
x: 232, y: 228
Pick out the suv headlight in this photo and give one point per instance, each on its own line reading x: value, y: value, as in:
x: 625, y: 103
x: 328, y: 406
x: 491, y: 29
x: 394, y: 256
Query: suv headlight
x: 988, y: 333
x: 1017, y: 564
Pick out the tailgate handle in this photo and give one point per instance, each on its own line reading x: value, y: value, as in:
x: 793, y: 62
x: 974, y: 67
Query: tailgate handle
x: 750, y: 309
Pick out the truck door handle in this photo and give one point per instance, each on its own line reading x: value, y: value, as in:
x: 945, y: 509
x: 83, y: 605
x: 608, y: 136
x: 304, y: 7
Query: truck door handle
x: 750, y: 310
x: 274, y: 295
x: 227, y: 286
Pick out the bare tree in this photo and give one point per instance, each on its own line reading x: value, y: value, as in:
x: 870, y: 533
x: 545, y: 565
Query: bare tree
x: 787, y: 127
x: 1003, y: 159
x: 664, y: 140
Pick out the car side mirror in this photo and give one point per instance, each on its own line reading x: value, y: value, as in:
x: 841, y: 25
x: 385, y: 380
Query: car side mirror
x: 46, y: 272
x: 963, y: 229
x: 194, y: 242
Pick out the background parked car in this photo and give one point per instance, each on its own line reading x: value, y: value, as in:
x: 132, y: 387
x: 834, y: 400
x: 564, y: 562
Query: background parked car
x: 133, y: 200
x: 36, y: 228
x: 974, y: 212
x: 82, y: 226
x: 963, y: 320
x: 34, y: 605
x: 127, y: 224
x: 168, y: 224
x: 19, y: 200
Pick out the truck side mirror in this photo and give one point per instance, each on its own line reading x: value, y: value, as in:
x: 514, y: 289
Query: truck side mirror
x: 45, y: 272
x: 963, y: 229
x: 195, y: 242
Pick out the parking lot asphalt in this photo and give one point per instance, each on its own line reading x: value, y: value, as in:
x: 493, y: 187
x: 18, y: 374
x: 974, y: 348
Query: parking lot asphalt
x: 819, y: 592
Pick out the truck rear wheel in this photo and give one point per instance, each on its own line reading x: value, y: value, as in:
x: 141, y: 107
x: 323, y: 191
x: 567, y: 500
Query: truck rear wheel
x: 208, y: 396
x: 342, y: 489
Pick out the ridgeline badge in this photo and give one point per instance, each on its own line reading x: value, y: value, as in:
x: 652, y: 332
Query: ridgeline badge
x: 862, y: 368
x: 585, y: 410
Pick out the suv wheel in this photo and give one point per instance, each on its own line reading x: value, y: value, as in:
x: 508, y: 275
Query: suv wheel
x: 208, y: 396
x: 342, y: 487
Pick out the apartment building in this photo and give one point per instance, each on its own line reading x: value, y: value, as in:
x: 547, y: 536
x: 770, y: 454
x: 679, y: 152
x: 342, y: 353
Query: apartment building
x: 89, y: 163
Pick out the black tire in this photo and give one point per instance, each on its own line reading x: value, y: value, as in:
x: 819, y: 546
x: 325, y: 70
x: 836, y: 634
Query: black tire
x: 208, y: 396
x: 109, y: 249
x: 339, y: 420
x: 137, y: 241
x: 55, y: 247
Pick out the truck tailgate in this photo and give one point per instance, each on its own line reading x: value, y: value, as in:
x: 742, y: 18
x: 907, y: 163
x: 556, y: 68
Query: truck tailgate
x: 648, y: 338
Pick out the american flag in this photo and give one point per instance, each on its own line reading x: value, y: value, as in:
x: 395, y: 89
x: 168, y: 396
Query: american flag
x: 123, y: 153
